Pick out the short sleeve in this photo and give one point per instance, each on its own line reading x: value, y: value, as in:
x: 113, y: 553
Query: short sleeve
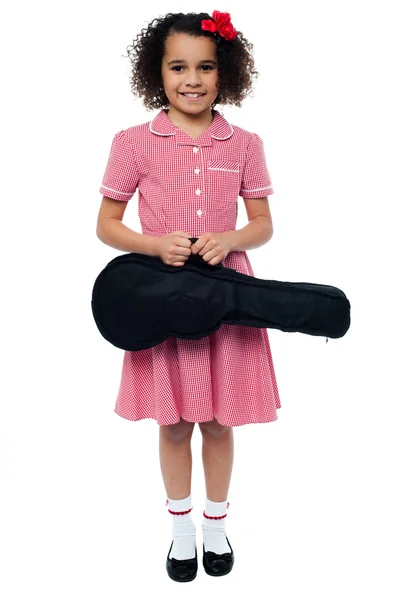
x: 256, y: 182
x: 121, y: 175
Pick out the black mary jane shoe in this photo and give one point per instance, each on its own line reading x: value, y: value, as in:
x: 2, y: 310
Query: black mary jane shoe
x: 218, y: 564
x: 182, y: 570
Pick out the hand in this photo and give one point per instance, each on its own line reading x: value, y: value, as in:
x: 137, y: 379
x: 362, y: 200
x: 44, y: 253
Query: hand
x: 173, y: 249
x: 213, y: 247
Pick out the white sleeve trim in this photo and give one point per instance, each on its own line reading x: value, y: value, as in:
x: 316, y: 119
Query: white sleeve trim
x: 117, y: 191
x: 259, y: 189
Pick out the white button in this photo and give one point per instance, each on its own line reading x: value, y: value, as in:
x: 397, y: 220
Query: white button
x: 198, y: 192
x: 196, y: 170
x: 195, y: 149
x: 199, y: 212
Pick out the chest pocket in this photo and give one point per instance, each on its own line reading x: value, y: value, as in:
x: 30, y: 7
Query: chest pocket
x: 223, y: 180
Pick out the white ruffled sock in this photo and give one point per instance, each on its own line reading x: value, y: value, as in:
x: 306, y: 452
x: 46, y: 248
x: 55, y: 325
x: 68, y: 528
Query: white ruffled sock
x: 184, y: 529
x: 214, y: 528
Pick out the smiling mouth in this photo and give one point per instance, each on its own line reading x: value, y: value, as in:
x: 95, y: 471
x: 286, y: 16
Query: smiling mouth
x: 192, y: 95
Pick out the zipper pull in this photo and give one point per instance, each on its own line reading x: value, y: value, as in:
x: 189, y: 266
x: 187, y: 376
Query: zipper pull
x: 326, y: 340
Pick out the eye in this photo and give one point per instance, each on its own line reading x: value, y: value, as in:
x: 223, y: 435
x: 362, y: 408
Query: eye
x: 202, y: 67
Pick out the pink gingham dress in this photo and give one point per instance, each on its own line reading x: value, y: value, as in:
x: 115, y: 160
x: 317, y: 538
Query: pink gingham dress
x: 193, y: 186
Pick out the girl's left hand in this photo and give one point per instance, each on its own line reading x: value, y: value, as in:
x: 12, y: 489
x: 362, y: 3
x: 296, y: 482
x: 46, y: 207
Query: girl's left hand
x: 213, y: 247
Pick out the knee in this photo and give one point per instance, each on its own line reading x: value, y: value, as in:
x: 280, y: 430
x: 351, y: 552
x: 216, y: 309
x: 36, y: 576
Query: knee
x: 214, y: 429
x: 178, y: 432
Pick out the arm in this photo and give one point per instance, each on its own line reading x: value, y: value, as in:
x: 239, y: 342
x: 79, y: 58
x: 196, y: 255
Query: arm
x: 259, y: 229
x: 111, y: 231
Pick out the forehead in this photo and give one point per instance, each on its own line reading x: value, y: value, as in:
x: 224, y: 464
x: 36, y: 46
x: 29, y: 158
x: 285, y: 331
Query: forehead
x: 181, y: 46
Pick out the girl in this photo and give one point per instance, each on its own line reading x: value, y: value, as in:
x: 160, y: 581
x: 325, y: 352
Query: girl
x: 190, y: 165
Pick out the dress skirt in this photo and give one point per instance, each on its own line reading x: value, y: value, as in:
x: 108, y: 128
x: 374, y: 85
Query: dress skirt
x: 228, y: 376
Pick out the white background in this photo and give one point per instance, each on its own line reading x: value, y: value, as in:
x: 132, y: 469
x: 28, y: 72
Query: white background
x: 313, y: 495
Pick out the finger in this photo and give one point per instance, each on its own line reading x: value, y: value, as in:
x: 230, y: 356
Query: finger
x: 186, y: 243
x: 186, y: 250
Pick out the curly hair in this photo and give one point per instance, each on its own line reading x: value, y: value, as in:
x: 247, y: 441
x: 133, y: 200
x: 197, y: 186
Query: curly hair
x: 236, y: 67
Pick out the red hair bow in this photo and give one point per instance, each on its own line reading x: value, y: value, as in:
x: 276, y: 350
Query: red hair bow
x: 221, y: 24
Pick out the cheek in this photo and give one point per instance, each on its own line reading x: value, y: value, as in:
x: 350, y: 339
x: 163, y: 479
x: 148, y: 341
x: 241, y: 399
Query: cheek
x: 170, y: 82
x: 167, y: 77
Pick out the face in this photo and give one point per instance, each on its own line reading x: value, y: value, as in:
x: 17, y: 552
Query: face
x: 189, y: 65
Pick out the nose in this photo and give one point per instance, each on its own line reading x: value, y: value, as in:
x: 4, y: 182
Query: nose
x: 193, y: 78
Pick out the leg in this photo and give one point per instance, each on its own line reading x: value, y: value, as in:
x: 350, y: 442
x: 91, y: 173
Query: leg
x: 176, y: 465
x: 217, y: 458
x: 176, y: 459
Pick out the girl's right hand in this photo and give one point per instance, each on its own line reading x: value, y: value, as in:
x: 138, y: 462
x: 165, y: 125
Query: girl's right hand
x: 175, y: 248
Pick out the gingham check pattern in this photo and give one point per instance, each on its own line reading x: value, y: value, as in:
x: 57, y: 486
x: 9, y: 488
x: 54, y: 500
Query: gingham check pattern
x: 193, y: 186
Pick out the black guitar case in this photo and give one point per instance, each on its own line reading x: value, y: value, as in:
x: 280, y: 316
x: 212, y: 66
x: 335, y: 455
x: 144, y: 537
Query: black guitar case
x: 138, y: 302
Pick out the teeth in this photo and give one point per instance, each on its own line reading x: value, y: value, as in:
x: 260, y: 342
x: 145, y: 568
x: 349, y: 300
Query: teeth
x: 192, y: 95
